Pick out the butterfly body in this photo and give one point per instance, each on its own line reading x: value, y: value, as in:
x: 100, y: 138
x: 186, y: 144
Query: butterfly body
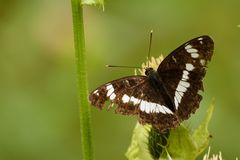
x: 158, y: 85
x: 163, y: 97
x: 154, y: 78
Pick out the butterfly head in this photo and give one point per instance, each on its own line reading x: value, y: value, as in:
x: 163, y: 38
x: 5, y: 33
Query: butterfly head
x: 148, y: 71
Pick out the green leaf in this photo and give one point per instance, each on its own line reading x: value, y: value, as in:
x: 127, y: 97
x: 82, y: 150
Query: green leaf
x: 201, y: 134
x: 183, y: 143
x: 138, y: 149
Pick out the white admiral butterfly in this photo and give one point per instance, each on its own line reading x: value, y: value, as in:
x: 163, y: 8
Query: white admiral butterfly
x: 165, y: 97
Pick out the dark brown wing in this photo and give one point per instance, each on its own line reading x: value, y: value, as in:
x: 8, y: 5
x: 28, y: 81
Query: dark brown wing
x: 135, y: 95
x: 115, y: 90
x: 182, y: 72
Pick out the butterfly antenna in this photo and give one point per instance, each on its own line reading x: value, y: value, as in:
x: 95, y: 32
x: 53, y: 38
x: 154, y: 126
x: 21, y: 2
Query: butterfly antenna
x: 149, y: 49
x: 116, y: 66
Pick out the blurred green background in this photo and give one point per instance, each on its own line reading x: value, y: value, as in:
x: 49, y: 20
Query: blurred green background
x: 38, y: 104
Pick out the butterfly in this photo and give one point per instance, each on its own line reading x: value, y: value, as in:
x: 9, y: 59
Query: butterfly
x: 166, y: 96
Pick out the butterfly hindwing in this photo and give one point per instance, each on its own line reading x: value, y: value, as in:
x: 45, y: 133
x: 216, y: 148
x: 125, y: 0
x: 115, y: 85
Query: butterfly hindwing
x: 182, y: 72
x: 153, y: 109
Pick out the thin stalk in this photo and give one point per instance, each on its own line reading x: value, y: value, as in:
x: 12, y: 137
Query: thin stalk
x: 84, y: 109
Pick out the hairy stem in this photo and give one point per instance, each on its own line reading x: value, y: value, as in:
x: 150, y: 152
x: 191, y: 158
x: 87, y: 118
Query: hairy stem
x: 84, y: 110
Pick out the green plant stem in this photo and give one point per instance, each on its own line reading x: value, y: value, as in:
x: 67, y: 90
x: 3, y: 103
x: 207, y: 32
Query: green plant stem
x: 84, y: 109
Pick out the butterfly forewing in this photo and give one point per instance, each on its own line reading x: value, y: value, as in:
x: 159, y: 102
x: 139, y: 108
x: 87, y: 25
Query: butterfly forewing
x: 182, y: 72
x: 119, y: 92
x: 131, y: 94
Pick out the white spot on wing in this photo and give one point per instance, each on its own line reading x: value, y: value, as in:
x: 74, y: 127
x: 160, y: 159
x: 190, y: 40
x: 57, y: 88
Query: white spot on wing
x: 192, y: 50
x: 185, y: 75
x: 189, y: 67
x: 109, y: 87
x: 158, y: 109
x: 143, y: 105
x: 135, y: 100
x: 184, y: 84
x: 167, y: 109
x: 178, y: 97
x: 125, y: 98
x: 188, y: 47
x: 161, y: 108
x: 200, y: 39
x: 96, y: 92
x: 150, y: 107
x: 194, y: 55
x: 112, y: 97
x: 180, y: 93
x: 181, y: 89
x: 110, y: 91
x: 174, y: 59
x: 147, y: 107
x: 203, y: 62
x: 176, y: 102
